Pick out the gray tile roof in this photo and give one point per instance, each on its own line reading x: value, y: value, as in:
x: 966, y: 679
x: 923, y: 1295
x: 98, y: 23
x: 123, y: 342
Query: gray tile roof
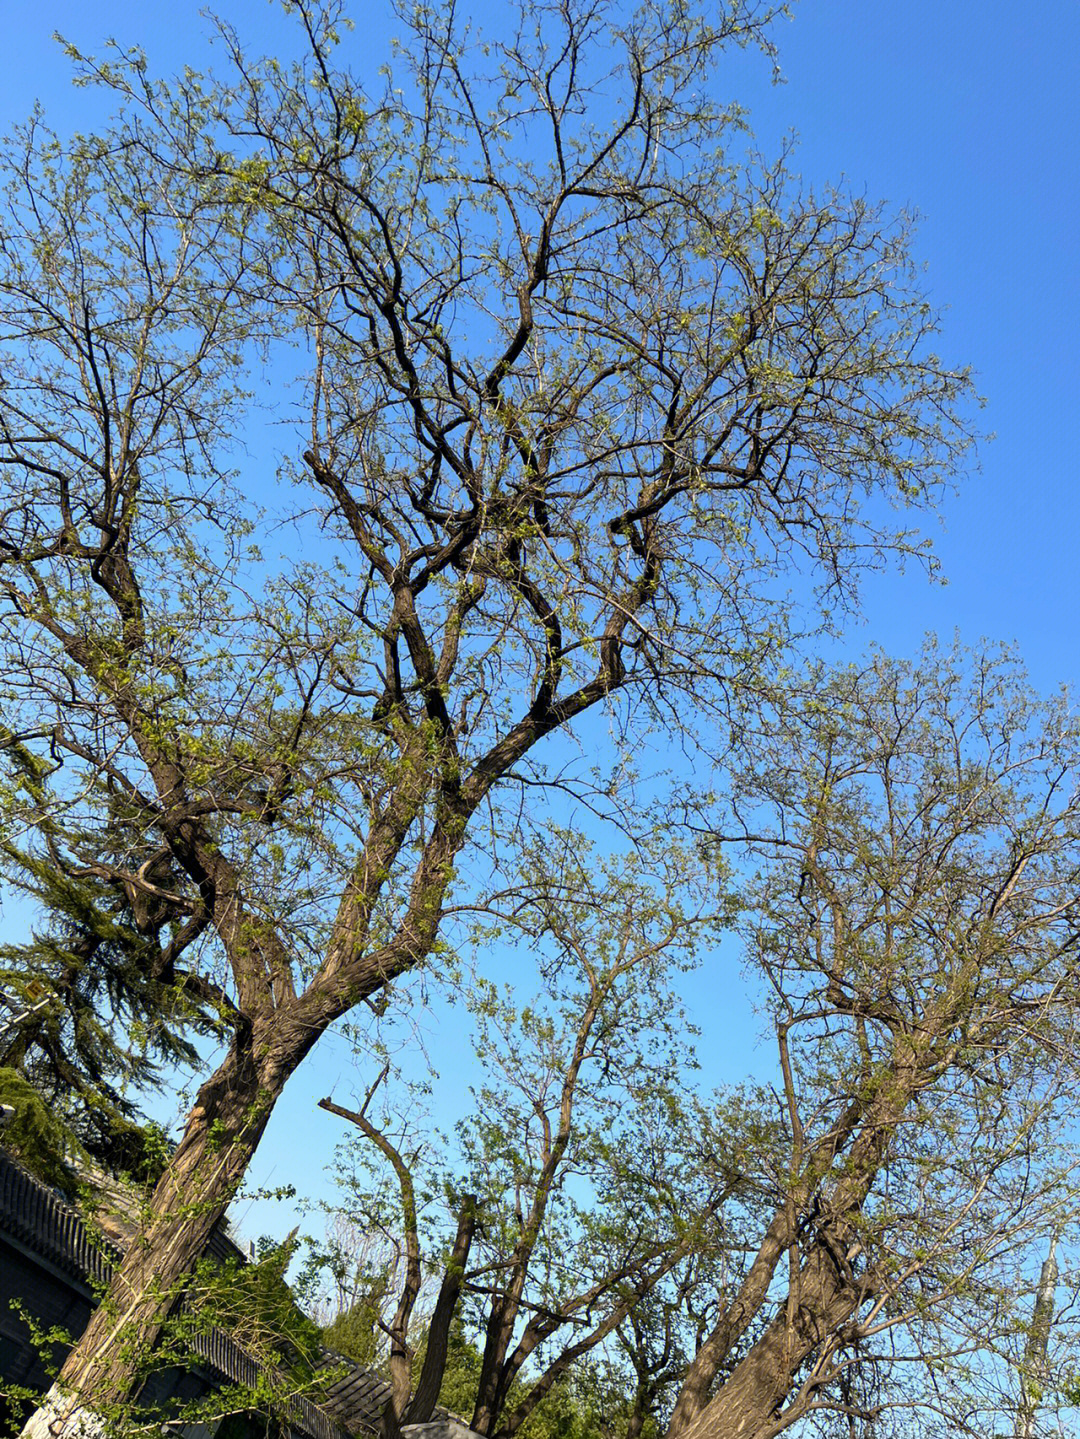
x: 358, y: 1396
x: 35, y: 1214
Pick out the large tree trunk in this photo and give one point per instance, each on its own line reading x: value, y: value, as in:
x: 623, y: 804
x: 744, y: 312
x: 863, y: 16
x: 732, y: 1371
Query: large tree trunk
x: 224, y: 1127
x: 763, y: 1394
x: 755, y: 1400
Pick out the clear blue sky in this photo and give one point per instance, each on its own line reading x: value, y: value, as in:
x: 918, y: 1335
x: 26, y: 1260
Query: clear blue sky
x: 965, y: 111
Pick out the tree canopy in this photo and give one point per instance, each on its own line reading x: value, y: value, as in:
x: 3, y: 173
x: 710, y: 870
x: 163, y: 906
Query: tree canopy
x: 851, y: 1250
x: 570, y: 394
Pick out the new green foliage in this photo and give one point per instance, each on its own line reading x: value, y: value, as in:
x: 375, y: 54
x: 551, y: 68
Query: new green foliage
x: 576, y: 396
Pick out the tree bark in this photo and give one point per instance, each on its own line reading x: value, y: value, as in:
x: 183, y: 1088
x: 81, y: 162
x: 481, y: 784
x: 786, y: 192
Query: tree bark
x: 424, y: 1400
x: 231, y: 1112
x: 749, y: 1403
x: 823, y: 1292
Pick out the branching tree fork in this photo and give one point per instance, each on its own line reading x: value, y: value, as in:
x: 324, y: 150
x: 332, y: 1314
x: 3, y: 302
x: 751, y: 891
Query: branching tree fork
x: 580, y: 389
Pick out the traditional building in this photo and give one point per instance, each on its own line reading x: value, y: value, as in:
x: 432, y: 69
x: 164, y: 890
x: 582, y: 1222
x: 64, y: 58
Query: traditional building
x: 51, y: 1269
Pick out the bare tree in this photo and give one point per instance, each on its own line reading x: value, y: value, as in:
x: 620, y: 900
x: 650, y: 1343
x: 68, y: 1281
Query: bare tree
x: 579, y: 390
x: 356, y: 1267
